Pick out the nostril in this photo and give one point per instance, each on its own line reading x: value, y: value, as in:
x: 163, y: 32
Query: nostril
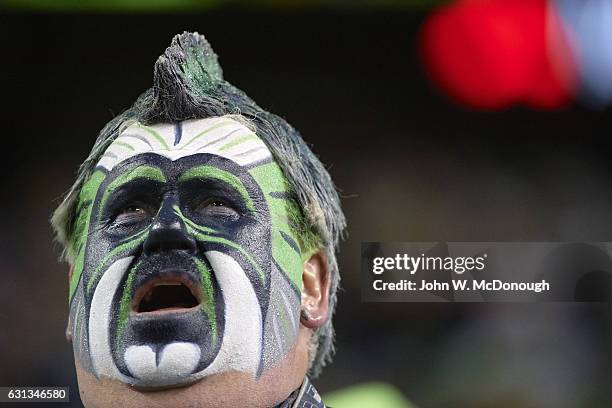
x: 189, y: 244
x: 166, y: 238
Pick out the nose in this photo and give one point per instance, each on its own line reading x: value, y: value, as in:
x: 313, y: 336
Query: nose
x: 168, y: 232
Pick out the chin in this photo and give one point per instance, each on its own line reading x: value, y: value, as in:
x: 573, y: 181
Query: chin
x: 233, y: 389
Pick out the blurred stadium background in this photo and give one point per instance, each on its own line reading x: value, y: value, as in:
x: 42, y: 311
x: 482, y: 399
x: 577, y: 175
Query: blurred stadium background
x: 415, y: 161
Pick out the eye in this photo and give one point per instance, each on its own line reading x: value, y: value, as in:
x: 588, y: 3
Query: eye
x: 216, y: 207
x: 133, y: 213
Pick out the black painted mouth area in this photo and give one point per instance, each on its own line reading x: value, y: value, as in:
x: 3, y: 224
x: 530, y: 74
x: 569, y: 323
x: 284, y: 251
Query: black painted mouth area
x: 166, y: 306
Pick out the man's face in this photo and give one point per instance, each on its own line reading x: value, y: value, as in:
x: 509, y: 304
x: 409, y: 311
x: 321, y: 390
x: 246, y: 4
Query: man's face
x: 187, y: 261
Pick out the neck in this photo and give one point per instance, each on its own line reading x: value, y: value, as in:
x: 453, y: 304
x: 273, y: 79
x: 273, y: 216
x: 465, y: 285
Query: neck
x: 304, y: 396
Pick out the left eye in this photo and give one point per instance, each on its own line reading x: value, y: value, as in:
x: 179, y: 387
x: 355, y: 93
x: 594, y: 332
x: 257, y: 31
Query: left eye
x: 216, y: 207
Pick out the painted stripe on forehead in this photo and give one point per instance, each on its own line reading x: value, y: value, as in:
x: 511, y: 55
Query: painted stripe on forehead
x: 125, y: 144
x: 153, y: 132
x: 207, y: 131
x: 236, y: 142
x: 140, y: 172
x: 137, y: 137
x: 222, y: 136
x: 210, y: 172
x: 178, y: 133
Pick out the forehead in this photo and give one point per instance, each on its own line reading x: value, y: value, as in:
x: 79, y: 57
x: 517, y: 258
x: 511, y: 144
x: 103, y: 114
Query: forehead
x: 222, y: 136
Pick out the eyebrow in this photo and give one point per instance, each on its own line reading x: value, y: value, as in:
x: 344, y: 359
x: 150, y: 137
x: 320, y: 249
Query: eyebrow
x: 214, y: 173
x: 138, y: 173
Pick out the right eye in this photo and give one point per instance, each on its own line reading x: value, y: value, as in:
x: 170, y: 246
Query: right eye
x: 133, y: 213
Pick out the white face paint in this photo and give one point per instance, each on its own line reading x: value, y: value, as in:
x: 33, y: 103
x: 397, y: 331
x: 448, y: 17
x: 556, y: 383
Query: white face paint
x: 154, y: 242
x: 221, y: 136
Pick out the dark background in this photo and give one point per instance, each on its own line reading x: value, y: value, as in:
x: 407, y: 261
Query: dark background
x: 411, y: 166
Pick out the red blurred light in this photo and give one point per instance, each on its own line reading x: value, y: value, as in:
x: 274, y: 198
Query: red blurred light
x: 555, y: 84
x: 491, y: 54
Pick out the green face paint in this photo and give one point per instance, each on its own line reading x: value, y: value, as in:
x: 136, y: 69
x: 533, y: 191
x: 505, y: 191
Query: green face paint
x: 188, y: 246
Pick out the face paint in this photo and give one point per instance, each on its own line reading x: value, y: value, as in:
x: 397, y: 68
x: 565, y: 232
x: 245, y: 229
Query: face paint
x: 187, y: 260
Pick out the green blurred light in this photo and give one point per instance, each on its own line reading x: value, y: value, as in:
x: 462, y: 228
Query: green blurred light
x: 185, y: 5
x: 108, y: 5
x: 379, y: 395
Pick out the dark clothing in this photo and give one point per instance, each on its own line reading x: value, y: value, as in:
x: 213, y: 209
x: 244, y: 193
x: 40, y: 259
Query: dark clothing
x: 304, y: 397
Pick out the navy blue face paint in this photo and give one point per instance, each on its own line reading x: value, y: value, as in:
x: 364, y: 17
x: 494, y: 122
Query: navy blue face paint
x: 188, y: 256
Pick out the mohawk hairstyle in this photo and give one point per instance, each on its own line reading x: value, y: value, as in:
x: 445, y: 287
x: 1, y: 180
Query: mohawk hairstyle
x: 189, y: 84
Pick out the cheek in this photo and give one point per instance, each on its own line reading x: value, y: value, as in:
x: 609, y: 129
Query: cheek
x: 287, y: 255
x: 273, y: 306
x: 281, y: 322
x: 252, y: 229
x: 102, y: 252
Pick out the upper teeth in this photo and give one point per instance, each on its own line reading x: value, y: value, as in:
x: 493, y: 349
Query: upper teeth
x: 168, y: 284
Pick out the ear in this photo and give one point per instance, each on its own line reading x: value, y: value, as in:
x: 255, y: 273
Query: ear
x: 315, y: 291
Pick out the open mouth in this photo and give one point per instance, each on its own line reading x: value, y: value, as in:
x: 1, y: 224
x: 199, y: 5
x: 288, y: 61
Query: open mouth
x: 166, y: 295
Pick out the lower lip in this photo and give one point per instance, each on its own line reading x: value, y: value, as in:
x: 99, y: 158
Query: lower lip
x: 166, y: 311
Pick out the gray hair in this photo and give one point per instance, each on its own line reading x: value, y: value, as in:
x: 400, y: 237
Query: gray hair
x: 189, y: 84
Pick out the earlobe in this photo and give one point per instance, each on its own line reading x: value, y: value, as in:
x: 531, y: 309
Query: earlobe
x: 315, y: 291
